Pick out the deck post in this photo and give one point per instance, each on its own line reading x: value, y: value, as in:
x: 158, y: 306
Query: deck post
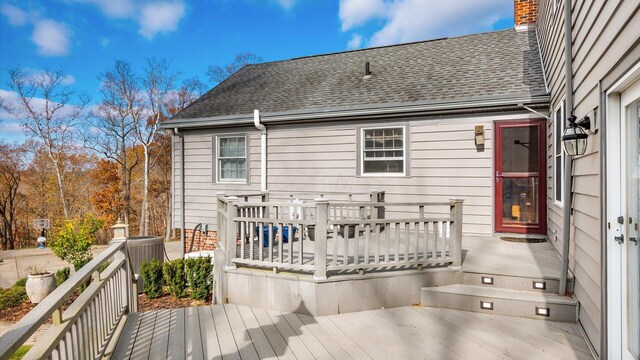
x: 320, y: 253
x: 377, y: 196
x: 232, y: 236
x: 455, y: 210
x: 265, y: 199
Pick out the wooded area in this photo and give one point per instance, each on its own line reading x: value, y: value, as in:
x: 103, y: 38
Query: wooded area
x: 106, y: 157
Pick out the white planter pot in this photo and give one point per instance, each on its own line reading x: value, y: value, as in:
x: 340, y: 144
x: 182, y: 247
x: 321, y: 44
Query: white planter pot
x: 39, y: 286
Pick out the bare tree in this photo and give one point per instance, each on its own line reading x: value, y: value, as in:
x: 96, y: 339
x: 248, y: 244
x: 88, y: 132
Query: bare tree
x: 157, y: 82
x: 112, y: 126
x: 218, y: 74
x: 190, y: 90
x: 11, y: 167
x: 46, y: 112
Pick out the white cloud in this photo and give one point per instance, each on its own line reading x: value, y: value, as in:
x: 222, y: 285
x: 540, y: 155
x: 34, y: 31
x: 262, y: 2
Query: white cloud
x: 160, y: 18
x: 118, y: 9
x: 354, y: 13
x: 355, y: 42
x: 15, y: 15
x: 51, y: 38
x: 411, y: 20
x: 104, y: 42
x: 152, y: 17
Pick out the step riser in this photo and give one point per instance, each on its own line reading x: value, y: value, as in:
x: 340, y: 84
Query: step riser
x: 512, y: 282
x: 509, y: 307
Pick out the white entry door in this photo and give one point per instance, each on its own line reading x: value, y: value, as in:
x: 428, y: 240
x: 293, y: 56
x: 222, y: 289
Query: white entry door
x: 623, y: 217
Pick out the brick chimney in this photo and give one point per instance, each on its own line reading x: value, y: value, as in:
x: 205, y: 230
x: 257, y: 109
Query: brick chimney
x: 525, y: 14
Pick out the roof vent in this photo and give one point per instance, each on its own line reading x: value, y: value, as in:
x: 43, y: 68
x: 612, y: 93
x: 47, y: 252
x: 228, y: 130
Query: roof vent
x: 367, y: 71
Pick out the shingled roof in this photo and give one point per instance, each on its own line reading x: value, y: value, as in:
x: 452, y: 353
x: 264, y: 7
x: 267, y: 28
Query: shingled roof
x: 494, y: 64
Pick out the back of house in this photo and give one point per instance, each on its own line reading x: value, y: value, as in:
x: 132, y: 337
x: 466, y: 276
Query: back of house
x: 477, y: 117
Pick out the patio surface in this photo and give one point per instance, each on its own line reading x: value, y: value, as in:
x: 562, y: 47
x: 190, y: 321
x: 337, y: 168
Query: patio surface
x: 240, y: 332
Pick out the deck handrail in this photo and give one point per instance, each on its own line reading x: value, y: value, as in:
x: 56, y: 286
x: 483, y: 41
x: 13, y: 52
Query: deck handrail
x: 111, y: 291
x: 261, y: 234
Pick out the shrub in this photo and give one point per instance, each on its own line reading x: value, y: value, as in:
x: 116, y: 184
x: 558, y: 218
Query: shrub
x: 200, y: 276
x: 62, y: 275
x: 21, y: 282
x: 72, y: 243
x: 151, y: 272
x: 11, y: 297
x: 20, y: 353
x: 175, y: 277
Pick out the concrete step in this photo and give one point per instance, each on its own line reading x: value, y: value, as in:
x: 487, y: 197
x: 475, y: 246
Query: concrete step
x: 547, y: 285
x: 491, y: 300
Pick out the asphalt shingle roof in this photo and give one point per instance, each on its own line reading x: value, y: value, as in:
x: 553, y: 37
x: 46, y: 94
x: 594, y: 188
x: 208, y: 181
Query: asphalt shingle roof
x: 488, y: 64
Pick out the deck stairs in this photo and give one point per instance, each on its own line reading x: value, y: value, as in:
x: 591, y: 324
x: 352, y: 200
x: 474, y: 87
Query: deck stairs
x: 526, y: 297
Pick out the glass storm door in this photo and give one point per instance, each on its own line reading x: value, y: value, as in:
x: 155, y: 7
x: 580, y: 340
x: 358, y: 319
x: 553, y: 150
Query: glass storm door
x: 520, y: 177
x: 626, y: 236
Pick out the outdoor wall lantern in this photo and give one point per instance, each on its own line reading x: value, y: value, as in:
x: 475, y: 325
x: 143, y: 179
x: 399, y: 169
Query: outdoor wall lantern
x: 574, y: 139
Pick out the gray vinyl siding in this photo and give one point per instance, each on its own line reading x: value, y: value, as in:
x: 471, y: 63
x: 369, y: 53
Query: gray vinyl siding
x: 605, y: 43
x: 309, y: 160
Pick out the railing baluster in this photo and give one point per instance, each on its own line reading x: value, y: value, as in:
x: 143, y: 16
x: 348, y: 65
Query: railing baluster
x: 366, y: 243
x: 387, y: 230
x: 377, y: 243
x: 242, y: 238
x: 426, y: 240
x: 436, y: 232
x: 356, y: 243
x: 397, y: 241
x: 261, y: 241
x: 345, y: 243
x: 407, y: 238
x: 251, y: 240
x: 334, y: 250
x: 291, y: 240
x: 280, y: 241
x: 270, y: 241
x: 416, y: 255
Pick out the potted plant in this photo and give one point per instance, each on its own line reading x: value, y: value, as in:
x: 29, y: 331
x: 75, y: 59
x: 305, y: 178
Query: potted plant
x: 40, y: 283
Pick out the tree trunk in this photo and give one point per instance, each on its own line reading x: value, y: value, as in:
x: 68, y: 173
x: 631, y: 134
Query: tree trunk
x: 63, y: 200
x: 144, y: 214
x: 126, y: 197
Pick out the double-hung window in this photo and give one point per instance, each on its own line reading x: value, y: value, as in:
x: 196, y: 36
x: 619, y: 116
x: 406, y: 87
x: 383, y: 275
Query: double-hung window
x: 231, y: 158
x: 558, y: 153
x: 383, y: 151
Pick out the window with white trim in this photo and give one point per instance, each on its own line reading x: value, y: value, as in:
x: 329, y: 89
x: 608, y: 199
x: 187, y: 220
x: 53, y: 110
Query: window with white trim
x: 558, y: 153
x: 383, y: 151
x: 231, y: 158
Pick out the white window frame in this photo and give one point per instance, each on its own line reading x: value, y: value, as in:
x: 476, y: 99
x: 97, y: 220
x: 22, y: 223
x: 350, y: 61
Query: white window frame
x: 217, y: 159
x: 404, y: 152
x: 557, y: 146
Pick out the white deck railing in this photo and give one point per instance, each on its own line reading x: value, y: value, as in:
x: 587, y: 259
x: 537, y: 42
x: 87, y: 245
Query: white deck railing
x: 347, y: 235
x: 88, y: 328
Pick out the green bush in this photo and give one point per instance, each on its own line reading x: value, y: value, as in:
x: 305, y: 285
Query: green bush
x: 151, y: 272
x: 20, y: 353
x: 175, y: 277
x: 200, y: 276
x: 72, y: 243
x: 11, y: 297
x: 21, y: 282
x: 62, y: 275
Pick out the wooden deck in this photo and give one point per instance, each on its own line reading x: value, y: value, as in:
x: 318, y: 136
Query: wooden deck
x: 240, y: 332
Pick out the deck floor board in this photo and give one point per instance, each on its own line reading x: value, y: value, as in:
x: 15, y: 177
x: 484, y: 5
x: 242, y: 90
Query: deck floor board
x: 239, y: 332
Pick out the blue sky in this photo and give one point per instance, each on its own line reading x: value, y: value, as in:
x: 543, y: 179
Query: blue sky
x: 85, y: 36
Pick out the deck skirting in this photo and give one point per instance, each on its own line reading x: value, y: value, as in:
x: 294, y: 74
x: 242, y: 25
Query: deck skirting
x: 302, y: 294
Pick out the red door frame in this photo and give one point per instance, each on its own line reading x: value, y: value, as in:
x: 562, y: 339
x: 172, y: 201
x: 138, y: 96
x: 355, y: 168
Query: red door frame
x: 541, y: 227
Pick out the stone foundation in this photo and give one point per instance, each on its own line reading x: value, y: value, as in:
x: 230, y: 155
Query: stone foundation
x: 200, y: 241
